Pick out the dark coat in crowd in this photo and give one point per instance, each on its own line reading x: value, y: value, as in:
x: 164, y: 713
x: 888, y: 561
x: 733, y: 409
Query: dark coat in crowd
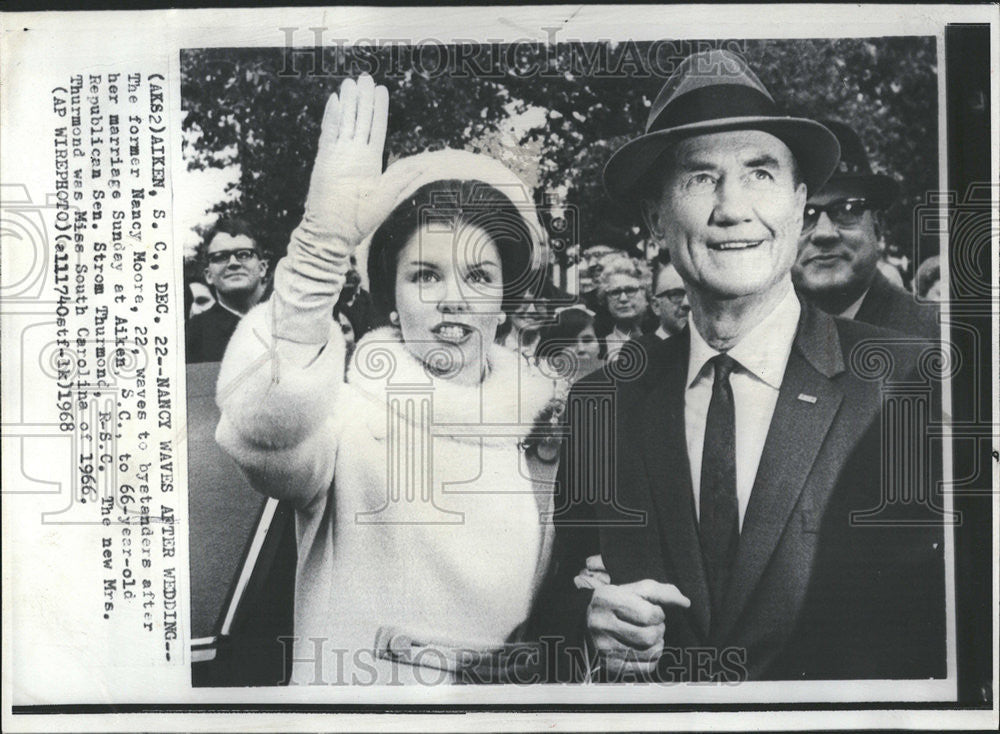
x: 891, y: 307
x: 208, y: 333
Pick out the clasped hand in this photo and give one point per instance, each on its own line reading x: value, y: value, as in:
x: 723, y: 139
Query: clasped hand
x: 626, y: 622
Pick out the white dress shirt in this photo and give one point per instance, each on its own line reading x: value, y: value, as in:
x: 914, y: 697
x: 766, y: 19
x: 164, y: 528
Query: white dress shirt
x: 851, y: 311
x: 762, y: 355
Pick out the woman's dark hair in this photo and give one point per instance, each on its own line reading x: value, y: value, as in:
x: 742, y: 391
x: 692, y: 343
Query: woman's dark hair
x: 567, y: 327
x: 456, y: 204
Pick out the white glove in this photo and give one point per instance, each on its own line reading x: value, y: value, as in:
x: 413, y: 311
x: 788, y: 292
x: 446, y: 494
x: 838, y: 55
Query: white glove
x: 347, y: 200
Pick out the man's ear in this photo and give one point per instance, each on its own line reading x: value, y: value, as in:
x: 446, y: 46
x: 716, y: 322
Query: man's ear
x: 207, y: 274
x: 651, y: 217
x: 263, y: 268
x: 801, y: 196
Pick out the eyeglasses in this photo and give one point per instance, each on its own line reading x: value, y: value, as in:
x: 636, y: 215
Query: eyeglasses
x: 843, y: 213
x: 674, y: 294
x: 222, y: 256
x: 625, y: 290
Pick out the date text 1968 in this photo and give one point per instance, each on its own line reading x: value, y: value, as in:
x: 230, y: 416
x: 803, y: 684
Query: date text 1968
x: 115, y: 335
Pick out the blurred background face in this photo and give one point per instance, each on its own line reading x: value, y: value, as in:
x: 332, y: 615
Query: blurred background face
x: 837, y: 257
x: 449, y: 289
x: 590, y: 266
x: 528, y: 316
x: 670, y: 301
x: 575, y: 356
x: 352, y: 282
x: 234, y: 267
x: 202, y: 298
x: 587, y: 347
x: 729, y: 212
x: 348, y: 331
x: 626, y: 297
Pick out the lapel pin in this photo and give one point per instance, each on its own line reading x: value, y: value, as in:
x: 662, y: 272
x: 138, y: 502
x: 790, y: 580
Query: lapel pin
x: 807, y: 398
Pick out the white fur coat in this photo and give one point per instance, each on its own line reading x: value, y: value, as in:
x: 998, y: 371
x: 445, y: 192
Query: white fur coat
x: 416, y: 508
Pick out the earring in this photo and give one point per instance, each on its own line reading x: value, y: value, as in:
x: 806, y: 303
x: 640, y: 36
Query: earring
x: 503, y: 317
x: 394, y: 318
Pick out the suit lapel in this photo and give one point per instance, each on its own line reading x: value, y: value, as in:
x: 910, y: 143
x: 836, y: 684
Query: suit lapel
x: 807, y: 403
x: 876, y: 301
x: 669, y: 471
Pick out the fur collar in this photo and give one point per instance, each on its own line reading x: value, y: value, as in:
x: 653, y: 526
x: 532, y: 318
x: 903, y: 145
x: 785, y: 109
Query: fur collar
x: 511, y: 395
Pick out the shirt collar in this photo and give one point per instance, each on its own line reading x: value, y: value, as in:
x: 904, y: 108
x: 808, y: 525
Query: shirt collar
x: 625, y: 335
x: 763, y: 351
x: 851, y: 311
x: 662, y: 333
x: 231, y: 310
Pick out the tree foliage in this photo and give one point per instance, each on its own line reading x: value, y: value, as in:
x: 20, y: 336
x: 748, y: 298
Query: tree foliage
x: 260, y: 108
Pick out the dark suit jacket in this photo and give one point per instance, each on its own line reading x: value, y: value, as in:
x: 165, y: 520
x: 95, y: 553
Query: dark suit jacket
x: 815, y: 593
x: 207, y: 334
x: 891, y: 307
x: 649, y: 340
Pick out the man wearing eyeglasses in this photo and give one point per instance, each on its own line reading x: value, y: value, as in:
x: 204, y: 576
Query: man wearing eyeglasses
x: 590, y: 272
x: 624, y: 289
x: 235, y: 269
x: 670, y: 301
x: 670, y: 305
x: 839, y: 253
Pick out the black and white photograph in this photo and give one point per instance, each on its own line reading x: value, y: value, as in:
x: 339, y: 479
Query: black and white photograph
x: 444, y: 551
x: 574, y: 370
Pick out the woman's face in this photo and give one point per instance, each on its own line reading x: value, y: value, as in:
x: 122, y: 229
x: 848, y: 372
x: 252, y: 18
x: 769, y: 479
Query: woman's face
x: 626, y: 297
x: 449, y: 288
x: 577, y: 357
x: 587, y: 346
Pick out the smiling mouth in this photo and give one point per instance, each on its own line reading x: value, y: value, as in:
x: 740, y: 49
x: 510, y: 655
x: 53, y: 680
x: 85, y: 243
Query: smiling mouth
x: 734, y: 245
x: 452, y: 333
x: 826, y: 258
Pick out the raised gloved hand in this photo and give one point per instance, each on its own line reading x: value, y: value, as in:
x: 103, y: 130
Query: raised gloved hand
x: 348, y: 198
x: 344, y: 199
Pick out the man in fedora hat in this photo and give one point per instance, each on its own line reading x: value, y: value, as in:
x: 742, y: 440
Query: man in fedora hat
x: 837, y: 267
x: 711, y: 510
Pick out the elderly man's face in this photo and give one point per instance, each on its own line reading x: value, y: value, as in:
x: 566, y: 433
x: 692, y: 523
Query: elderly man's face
x: 729, y: 212
x: 838, y: 256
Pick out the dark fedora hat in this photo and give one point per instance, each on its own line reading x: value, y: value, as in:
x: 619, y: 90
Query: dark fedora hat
x: 854, y: 171
x: 715, y: 91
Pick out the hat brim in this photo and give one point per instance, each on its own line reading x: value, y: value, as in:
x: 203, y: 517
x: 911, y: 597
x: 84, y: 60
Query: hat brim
x: 815, y: 149
x: 877, y: 188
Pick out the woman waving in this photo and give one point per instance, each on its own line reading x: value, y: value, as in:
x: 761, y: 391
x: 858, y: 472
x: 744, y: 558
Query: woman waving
x: 418, y: 515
